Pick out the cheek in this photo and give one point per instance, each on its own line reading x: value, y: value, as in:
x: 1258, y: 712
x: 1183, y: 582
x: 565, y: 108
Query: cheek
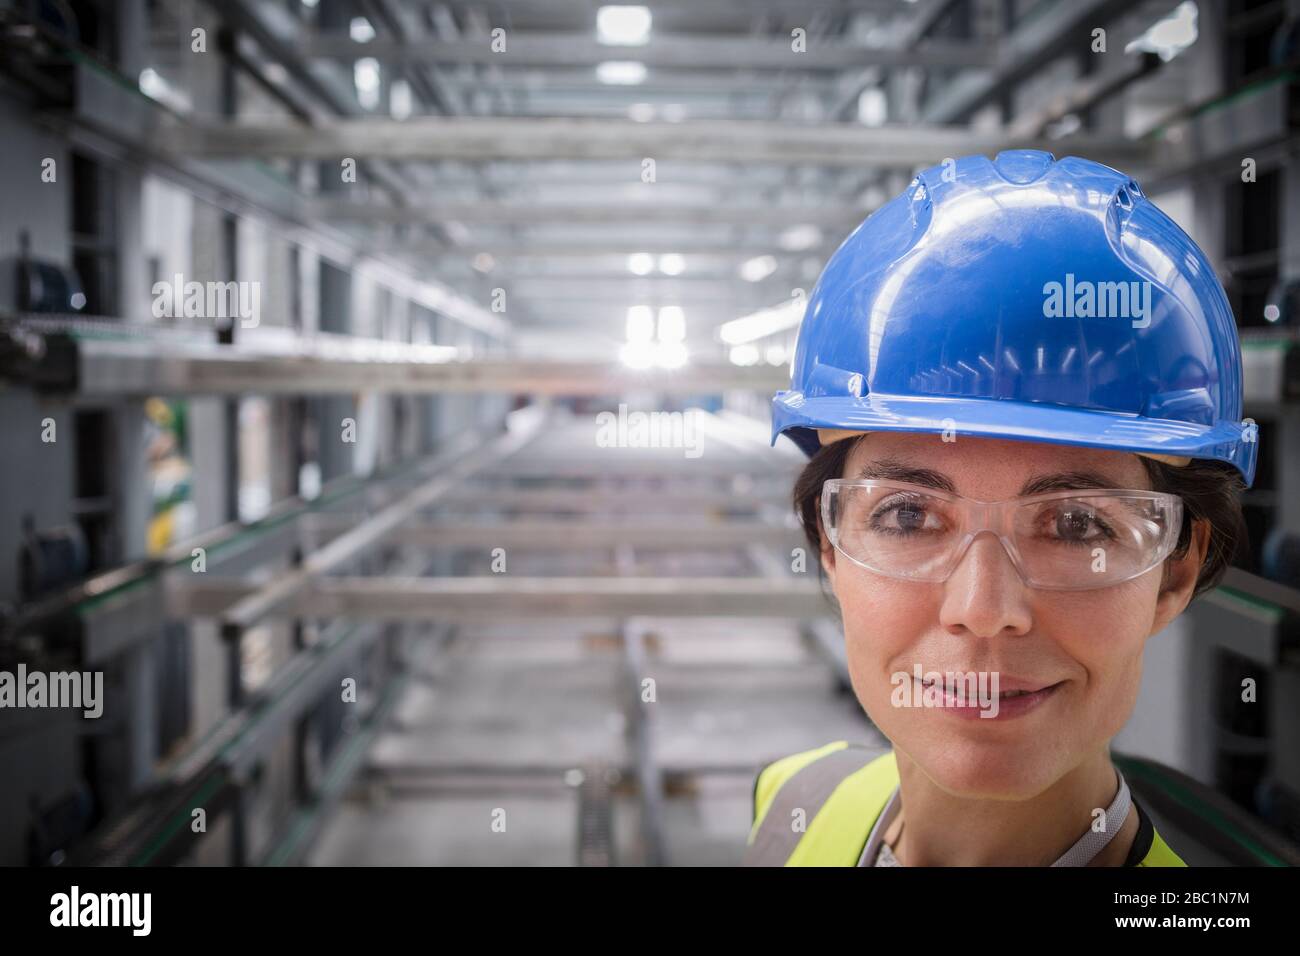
x: 1104, y: 633
x: 883, y: 620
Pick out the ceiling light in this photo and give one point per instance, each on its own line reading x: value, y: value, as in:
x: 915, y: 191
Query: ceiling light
x: 757, y: 268
x: 873, y: 107
x: 671, y: 355
x: 671, y: 264
x: 638, y: 354
x: 763, y: 323
x: 672, y: 324
x: 640, y: 323
x: 1170, y: 35
x: 399, y: 99
x: 623, y: 25
x: 360, y: 30
x: 365, y: 74
x: 620, y: 72
x: 798, y: 238
x: 641, y: 263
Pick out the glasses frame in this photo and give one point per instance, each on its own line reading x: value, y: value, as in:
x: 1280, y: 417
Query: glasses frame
x: 995, y: 517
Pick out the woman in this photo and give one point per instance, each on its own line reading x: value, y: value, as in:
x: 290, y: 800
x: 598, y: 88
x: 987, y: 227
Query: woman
x: 1019, y: 384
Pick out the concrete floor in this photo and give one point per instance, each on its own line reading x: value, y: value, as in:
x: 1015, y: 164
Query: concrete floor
x: 544, y: 697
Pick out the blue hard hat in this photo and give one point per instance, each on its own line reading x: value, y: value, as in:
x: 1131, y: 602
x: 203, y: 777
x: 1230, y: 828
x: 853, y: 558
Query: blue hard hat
x: 1024, y: 298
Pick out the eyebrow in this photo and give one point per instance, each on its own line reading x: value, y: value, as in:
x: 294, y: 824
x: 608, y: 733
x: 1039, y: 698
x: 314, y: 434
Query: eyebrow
x: 891, y: 469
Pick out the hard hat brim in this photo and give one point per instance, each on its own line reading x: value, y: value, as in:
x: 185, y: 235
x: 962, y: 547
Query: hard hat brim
x: 1044, y: 422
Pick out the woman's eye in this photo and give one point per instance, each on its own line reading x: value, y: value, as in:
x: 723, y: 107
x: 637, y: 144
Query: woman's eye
x: 1076, y: 524
x: 905, y: 518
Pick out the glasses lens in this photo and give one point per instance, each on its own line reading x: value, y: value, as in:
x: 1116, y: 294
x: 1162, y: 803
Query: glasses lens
x: 1093, y: 540
x: 896, y: 532
x: 1071, y: 542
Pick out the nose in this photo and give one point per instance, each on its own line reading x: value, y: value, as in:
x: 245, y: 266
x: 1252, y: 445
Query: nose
x: 985, y: 596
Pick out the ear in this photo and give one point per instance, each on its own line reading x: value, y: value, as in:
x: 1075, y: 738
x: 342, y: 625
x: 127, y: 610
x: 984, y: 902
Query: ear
x: 827, y: 555
x: 1180, y: 577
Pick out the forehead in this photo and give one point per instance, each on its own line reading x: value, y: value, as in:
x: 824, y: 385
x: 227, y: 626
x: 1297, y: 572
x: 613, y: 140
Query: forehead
x: 993, y: 468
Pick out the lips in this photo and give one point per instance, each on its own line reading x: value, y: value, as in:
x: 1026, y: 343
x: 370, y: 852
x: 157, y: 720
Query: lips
x: 1008, y: 687
x: 1023, y: 697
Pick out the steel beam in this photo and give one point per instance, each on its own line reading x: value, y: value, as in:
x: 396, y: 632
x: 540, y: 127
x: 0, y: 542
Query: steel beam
x: 478, y: 139
x: 621, y: 502
x: 649, y: 211
x: 123, y: 368
x: 568, y: 535
x: 600, y: 466
x: 307, y: 595
x: 742, y: 10
x: 673, y: 52
x: 586, y: 249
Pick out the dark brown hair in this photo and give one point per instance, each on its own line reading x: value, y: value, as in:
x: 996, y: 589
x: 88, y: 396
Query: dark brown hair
x: 1210, y: 491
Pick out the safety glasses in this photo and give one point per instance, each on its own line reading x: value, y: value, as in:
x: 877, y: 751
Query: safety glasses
x: 1059, y: 540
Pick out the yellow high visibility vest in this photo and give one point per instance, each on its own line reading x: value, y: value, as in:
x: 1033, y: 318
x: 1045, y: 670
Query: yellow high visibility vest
x: 838, y: 829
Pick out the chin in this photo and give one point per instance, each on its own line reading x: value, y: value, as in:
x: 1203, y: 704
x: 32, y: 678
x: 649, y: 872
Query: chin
x: 989, y: 769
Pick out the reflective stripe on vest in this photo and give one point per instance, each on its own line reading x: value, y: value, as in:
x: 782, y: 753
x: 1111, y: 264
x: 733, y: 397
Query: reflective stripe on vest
x: 839, y: 790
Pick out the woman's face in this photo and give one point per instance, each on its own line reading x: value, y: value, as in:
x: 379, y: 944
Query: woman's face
x: 984, y: 618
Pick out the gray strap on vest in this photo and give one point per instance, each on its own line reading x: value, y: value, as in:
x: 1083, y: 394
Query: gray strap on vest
x: 877, y: 836
x: 807, y: 790
x: 1093, y: 842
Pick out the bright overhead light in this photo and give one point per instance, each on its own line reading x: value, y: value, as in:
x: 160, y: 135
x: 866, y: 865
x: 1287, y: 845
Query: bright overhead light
x: 640, y: 323
x: 762, y: 323
x: 1170, y: 35
x: 641, y: 112
x: 671, y: 355
x: 151, y: 84
x: 1066, y: 126
x: 620, y: 72
x: 873, y: 107
x: 744, y: 354
x: 643, y: 355
x: 798, y: 238
x: 360, y: 30
x: 365, y: 74
x: 638, y: 354
x: 671, y: 264
x: 399, y: 99
x: 757, y: 268
x: 775, y: 354
x: 672, y: 324
x: 642, y: 350
x: 623, y: 25
x: 641, y: 263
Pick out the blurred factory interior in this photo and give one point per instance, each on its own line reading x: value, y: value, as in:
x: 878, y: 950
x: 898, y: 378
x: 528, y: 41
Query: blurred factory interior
x: 329, y: 333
